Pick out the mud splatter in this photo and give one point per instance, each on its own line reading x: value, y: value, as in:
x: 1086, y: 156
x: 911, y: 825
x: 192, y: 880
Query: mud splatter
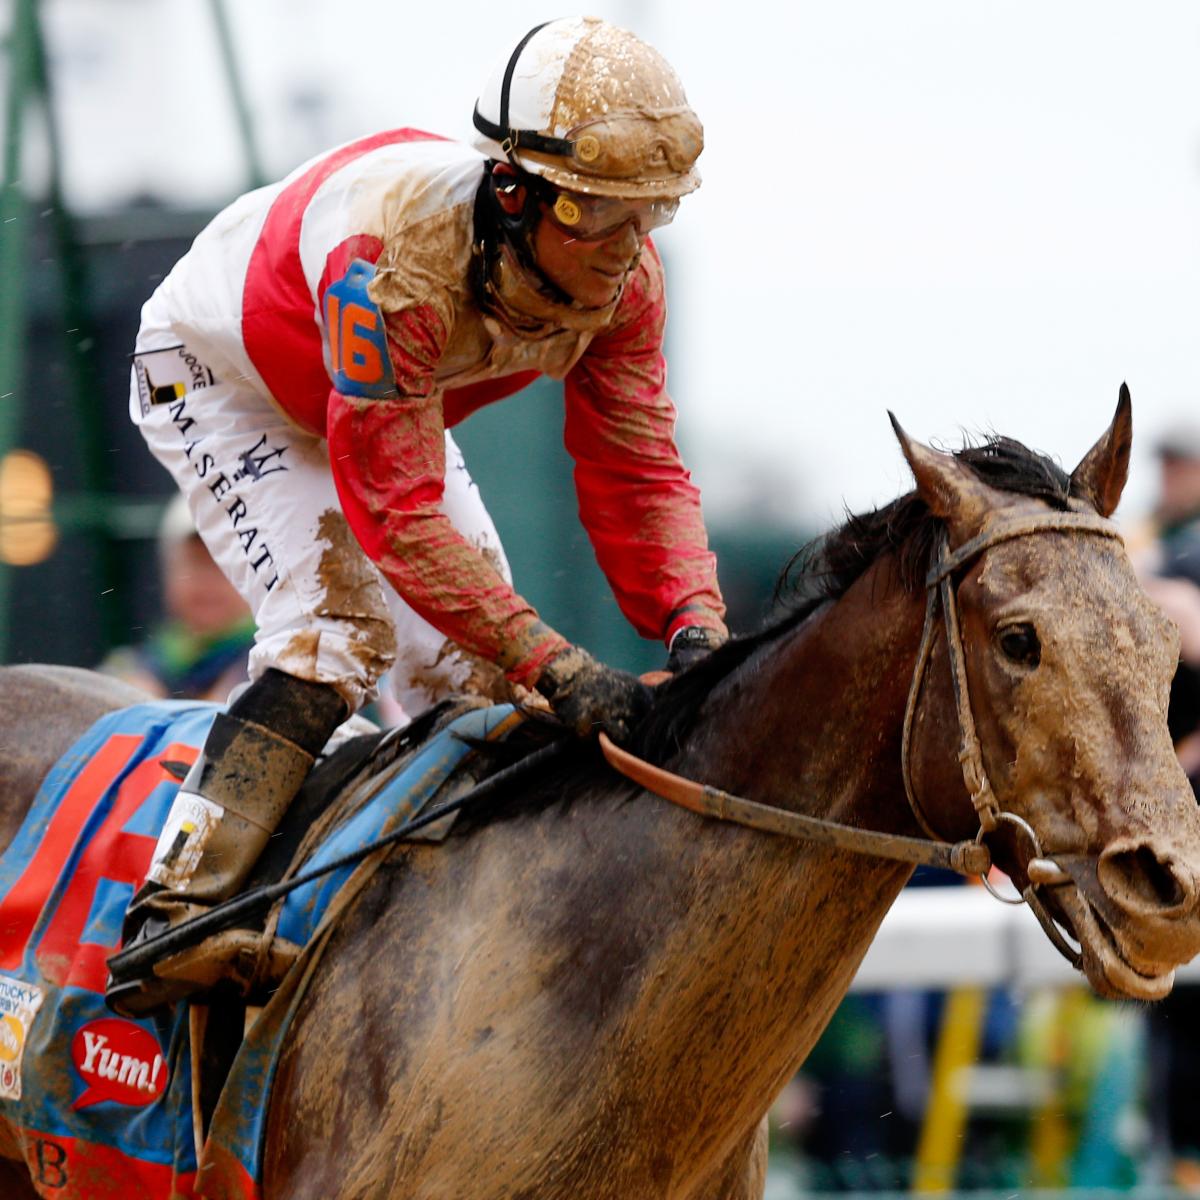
x: 353, y: 596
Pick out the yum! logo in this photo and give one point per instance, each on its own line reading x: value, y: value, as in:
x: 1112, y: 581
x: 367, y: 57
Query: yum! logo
x: 118, y: 1061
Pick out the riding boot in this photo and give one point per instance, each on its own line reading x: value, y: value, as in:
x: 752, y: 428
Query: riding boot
x: 254, y: 761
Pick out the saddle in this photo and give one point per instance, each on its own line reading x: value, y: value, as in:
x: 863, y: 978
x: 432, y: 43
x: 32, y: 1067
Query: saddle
x: 376, y: 781
x: 132, y: 1099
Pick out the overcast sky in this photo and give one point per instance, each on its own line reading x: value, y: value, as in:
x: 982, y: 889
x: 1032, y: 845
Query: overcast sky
x: 980, y: 214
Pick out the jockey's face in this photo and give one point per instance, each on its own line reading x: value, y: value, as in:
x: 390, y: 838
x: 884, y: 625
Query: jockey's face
x: 590, y: 272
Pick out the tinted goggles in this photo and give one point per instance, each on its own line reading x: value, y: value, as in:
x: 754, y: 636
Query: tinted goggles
x: 594, y: 217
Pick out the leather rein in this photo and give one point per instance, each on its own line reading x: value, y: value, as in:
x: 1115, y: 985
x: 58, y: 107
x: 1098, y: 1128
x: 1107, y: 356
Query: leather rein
x: 971, y: 857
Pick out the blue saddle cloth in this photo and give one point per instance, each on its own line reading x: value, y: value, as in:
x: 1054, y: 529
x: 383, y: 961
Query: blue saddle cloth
x: 87, y: 1094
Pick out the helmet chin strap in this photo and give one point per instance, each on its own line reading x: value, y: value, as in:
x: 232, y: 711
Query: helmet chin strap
x: 496, y: 229
x: 493, y: 226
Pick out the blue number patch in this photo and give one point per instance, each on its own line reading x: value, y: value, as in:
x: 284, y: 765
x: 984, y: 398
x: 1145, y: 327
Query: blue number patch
x: 355, y: 341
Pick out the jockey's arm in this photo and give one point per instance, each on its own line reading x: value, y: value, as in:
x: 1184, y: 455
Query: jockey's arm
x: 388, y: 461
x: 636, y: 498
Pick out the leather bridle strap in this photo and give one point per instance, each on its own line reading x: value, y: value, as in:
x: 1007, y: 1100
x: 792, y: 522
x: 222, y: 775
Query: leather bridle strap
x: 1015, y: 527
x: 940, y: 584
x: 967, y: 858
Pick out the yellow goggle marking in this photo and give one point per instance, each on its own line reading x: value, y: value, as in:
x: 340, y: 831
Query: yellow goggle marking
x: 566, y: 210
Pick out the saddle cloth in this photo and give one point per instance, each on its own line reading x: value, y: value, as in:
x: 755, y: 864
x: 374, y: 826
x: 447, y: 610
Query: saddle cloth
x: 99, y: 1105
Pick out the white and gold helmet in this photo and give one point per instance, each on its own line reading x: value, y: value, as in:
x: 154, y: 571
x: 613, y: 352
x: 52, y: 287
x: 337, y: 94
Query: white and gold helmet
x: 594, y: 110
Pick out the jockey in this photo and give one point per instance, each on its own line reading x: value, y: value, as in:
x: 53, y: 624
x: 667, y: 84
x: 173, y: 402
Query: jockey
x: 298, y: 372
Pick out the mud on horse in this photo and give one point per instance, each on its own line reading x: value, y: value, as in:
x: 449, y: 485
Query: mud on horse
x: 590, y: 992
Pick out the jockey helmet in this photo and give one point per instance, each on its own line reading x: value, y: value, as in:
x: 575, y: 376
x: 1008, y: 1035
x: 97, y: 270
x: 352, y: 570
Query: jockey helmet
x: 592, y: 109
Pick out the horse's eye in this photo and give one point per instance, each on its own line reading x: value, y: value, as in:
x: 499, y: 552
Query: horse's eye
x: 1020, y: 643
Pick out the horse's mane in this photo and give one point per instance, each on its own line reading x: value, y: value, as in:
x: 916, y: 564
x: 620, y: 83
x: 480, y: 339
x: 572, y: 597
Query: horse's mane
x: 824, y: 569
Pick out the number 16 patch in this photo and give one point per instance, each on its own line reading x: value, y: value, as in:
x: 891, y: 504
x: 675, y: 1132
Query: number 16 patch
x: 355, y: 340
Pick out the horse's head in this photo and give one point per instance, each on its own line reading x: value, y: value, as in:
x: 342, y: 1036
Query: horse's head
x: 1068, y: 667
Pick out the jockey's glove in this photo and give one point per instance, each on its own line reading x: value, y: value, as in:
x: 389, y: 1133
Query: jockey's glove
x: 588, y: 696
x: 690, y: 644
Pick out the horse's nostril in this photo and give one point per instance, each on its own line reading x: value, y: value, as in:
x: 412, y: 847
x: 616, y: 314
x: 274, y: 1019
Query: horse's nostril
x: 1142, y: 876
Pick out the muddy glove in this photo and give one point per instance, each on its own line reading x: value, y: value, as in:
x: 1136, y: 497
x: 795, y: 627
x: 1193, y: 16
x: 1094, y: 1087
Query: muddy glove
x: 690, y: 644
x: 587, y: 695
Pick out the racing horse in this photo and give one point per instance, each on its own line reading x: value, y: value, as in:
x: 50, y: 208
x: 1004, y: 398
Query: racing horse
x: 589, y: 992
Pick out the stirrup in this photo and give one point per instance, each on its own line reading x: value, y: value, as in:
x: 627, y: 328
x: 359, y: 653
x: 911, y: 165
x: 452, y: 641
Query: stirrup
x: 253, y: 961
x: 137, y: 998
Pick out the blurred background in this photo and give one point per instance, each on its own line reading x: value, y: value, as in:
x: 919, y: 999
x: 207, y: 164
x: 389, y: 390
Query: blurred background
x: 982, y: 216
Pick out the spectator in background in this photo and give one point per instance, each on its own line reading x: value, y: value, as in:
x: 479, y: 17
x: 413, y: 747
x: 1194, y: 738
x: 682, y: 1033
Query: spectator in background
x: 200, y: 649
x: 1171, y: 575
x: 1170, y: 571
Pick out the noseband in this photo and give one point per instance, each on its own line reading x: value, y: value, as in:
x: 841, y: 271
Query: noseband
x: 968, y: 858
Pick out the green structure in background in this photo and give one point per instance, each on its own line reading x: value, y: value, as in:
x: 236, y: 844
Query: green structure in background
x: 93, y: 508
x: 23, y: 61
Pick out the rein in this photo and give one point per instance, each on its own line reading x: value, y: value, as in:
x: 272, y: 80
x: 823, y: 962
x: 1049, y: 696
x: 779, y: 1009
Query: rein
x: 968, y: 857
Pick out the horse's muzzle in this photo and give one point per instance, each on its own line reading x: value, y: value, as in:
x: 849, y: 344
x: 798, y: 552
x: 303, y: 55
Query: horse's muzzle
x: 1133, y: 910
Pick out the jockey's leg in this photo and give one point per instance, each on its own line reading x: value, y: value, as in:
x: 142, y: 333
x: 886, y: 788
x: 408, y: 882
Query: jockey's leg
x: 255, y: 759
x: 263, y: 500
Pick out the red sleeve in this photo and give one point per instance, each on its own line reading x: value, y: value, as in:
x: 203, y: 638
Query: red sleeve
x: 388, y: 460
x: 636, y: 499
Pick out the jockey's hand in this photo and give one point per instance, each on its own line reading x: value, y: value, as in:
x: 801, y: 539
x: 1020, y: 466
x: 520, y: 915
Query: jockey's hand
x: 690, y: 644
x: 588, y: 696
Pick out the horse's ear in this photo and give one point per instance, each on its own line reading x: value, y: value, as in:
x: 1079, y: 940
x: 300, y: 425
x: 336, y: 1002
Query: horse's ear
x: 951, y: 489
x: 1100, y: 477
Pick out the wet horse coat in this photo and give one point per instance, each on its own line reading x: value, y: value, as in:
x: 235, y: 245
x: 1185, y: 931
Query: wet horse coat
x: 596, y: 994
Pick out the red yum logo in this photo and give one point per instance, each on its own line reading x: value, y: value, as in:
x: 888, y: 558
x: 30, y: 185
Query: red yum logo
x: 118, y: 1061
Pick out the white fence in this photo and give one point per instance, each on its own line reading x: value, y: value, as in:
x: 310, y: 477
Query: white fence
x: 943, y: 937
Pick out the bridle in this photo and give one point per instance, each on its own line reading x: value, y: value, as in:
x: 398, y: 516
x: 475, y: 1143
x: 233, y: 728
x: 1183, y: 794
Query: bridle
x: 970, y: 857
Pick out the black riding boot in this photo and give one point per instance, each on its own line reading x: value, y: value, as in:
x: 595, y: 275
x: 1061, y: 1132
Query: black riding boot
x: 254, y: 761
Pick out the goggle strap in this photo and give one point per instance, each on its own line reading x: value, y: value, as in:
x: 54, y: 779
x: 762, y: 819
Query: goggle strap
x: 503, y: 133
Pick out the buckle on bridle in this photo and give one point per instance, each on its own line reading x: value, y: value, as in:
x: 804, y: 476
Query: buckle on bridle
x: 987, y: 883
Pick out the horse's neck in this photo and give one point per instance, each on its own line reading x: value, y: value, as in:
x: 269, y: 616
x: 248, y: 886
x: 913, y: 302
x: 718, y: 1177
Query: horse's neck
x: 814, y: 723
x: 630, y: 958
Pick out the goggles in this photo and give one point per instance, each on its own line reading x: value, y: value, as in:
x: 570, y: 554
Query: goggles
x: 593, y: 217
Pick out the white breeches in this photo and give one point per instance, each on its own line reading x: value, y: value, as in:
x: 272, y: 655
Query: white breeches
x: 263, y: 499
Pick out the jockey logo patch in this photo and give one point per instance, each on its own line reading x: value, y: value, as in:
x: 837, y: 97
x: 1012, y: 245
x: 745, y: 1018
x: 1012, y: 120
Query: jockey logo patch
x: 188, y: 826
x: 356, y: 352
x: 19, y: 1002
x: 119, y: 1061
x: 163, y: 376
